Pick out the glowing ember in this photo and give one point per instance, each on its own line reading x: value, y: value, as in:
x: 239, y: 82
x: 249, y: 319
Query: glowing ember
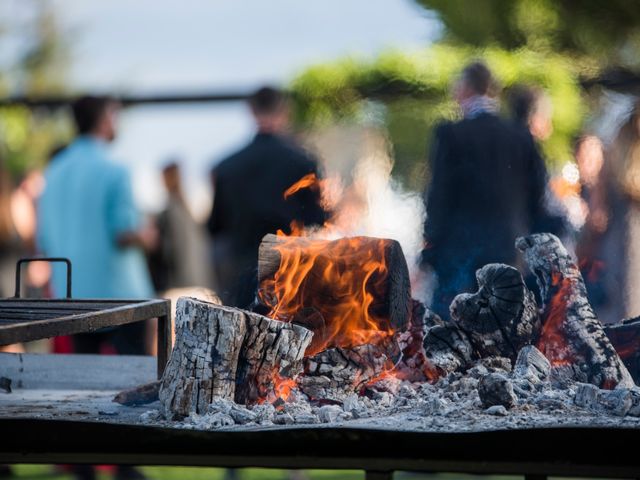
x: 552, y: 342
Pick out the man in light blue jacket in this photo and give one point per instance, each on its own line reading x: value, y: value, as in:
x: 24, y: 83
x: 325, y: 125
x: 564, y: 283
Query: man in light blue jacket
x: 87, y: 214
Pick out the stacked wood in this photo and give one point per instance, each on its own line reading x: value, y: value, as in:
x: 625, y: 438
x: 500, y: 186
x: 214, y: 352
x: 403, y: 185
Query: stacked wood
x: 572, y: 337
x: 321, y: 299
x: 223, y: 352
x: 501, y: 317
x: 625, y: 338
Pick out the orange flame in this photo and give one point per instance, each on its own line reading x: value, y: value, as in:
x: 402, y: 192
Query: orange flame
x: 337, y: 283
x: 552, y: 342
x: 309, y: 180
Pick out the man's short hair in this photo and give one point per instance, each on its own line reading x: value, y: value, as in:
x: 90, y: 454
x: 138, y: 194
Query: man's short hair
x: 522, y: 102
x: 267, y: 100
x: 88, y: 110
x: 478, y: 78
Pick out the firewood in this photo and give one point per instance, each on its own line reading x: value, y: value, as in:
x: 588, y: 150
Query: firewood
x: 625, y: 338
x: 323, y: 297
x: 572, y: 337
x: 223, y: 352
x: 502, y: 316
x: 141, y: 395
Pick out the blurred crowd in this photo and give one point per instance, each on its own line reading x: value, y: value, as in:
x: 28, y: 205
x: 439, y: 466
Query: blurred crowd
x: 489, y: 183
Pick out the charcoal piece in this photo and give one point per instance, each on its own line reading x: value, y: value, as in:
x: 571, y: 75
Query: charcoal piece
x: 448, y: 349
x: 496, y: 389
x: 501, y: 317
x: 572, y: 336
x: 532, y: 365
x: 5, y: 384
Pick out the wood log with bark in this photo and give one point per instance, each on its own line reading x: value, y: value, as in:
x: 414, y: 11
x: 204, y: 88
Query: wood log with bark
x: 572, y: 337
x: 358, y: 284
x: 625, y: 338
x: 501, y: 317
x: 224, y: 352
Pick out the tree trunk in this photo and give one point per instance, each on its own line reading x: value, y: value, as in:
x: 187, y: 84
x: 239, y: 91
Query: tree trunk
x: 572, y: 337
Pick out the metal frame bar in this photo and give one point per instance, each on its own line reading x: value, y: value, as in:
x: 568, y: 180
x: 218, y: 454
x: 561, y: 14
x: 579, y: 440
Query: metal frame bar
x: 111, y: 313
x: 566, y: 452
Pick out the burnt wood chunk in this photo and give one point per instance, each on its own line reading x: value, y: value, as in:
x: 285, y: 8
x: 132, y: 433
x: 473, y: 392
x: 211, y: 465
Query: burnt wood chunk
x: 142, y: 395
x: 532, y: 365
x: 572, y: 337
x: 336, y: 373
x: 496, y: 389
x: 329, y: 280
x: 501, y: 317
x: 447, y: 349
x: 223, y: 352
x: 625, y: 338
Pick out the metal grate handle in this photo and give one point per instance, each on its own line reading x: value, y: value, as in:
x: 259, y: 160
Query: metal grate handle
x: 42, y: 259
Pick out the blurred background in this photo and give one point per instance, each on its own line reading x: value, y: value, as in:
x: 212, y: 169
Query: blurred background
x: 368, y: 78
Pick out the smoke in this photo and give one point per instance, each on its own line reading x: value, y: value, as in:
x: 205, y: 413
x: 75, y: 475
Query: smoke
x: 366, y: 200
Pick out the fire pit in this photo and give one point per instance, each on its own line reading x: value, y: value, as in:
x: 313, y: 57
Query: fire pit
x: 311, y: 379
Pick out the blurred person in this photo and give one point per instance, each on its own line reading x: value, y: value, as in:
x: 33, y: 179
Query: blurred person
x: 249, y: 198
x: 620, y: 218
x: 601, y: 270
x: 487, y: 188
x: 180, y: 257
x: 87, y: 213
x: 531, y: 109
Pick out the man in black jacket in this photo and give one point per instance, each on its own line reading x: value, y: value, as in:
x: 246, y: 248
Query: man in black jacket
x: 249, y: 199
x: 487, y: 187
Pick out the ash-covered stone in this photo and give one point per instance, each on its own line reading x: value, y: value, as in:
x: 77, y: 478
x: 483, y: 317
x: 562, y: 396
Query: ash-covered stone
x: 330, y: 413
x: 496, y: 389
x: 264, y: 413
x: 283, y: 418
x: 587, y: 395
x: 498, y: 410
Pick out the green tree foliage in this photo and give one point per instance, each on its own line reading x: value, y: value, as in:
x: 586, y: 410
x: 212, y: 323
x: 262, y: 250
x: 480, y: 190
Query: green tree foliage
x: 607, y: 32
x: 28, y: 136
x: 415, y: 91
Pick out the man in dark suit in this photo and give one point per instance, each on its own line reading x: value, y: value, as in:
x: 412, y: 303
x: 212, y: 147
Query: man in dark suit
x: 249, y: 199
x: 487, y: 188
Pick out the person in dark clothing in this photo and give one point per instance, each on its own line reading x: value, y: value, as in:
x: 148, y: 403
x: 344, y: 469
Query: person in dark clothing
x: 487, y: 188
x: 249, y: 198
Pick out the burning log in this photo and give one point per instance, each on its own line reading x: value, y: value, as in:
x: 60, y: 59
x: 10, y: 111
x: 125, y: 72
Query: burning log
x: 572, y: 338
x: 501, y: 317
x: 223, y: 352
x: 625, y: 338
x: 350, y: 291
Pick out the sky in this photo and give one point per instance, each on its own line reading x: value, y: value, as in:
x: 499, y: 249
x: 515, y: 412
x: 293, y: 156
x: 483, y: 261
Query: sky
x: 157, y: 46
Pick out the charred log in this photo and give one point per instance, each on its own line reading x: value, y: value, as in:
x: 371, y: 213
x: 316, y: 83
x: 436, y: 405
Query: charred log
x: 625, y: 338
x: 448, y: 349
x: 223, y: 352
x: 326, y: 277
x: 572, y: 337
x: 502, y: 316
x: 142, y: 395
x: 336, y: 373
